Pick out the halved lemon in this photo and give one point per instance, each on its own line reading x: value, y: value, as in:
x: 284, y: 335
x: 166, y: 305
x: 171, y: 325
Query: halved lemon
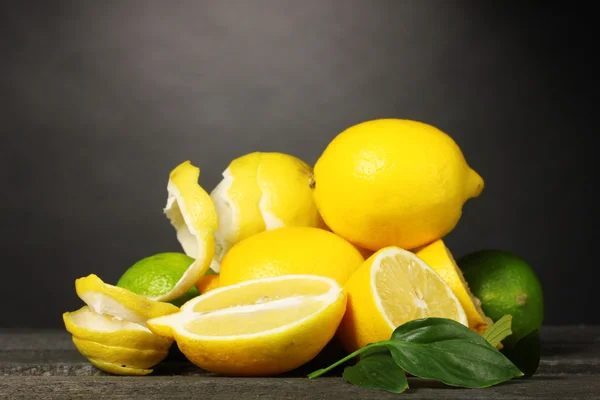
x: 111, y: 331
x: 439, y: 258
x: 256, y: 328
x: 392, y: 287
x: 193, y: 215
x: 103, y: 298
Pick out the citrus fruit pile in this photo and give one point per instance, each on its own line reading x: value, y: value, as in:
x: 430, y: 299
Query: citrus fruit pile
x: 280, y: 258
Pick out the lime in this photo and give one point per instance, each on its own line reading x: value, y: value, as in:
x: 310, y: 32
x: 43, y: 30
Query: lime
x: 158, y: 274
x: 505, y: 284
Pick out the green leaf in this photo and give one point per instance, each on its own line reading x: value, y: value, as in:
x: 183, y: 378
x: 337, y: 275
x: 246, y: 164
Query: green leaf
x: 499, y: 331
x: 432, y: 348
x: 377, y: 369
x: 447, y: 351
x: 525, y: 354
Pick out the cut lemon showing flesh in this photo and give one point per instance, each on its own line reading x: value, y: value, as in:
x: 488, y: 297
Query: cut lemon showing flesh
x: 392, y: 287
x: 118, y: 369
x: 256, y: 328
x: 103, y: 298
x: 259, y: 192
x: 439, y: 258
x: 193, y: 215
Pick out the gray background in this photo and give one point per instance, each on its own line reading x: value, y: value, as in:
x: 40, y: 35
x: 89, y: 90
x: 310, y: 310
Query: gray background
x: 99, y: 100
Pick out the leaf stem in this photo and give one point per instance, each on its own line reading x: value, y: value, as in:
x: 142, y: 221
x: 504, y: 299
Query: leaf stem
x: 321, y: 371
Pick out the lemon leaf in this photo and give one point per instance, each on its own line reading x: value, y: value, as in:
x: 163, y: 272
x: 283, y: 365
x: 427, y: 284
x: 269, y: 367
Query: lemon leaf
x: 499, y: 331
x: 376, y: 369
x: 434, y: 348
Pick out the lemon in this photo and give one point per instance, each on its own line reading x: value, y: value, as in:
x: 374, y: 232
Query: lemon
x: 438, y: 257
x: 207, y: 283
x: 118, y: 369
x: 111, y: 330
x: 156, y: 275
x: 290, y: 250
x: 108, y: 330
x: 262, y: 191
x: 130, y: 358
x: 392, y: 182
x: 257, y: 328
x: 392, y: 287
x: 194, y: 217
x: 103, y: 298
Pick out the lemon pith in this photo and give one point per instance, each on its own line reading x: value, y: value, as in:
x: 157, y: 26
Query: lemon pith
x: 192, y: 213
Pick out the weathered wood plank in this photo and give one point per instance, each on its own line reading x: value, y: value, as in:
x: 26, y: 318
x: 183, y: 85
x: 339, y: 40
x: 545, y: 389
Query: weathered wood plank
x: 580, y: 387
x: 566, y: 350
x: 46, y: 364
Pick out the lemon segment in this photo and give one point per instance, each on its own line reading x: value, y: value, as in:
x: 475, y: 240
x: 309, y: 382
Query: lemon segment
x: 256, y: 328
x: 439, y: 258
x: 390, y: 288
x: 131, y: 358
x: 193, y: 215
x: 118, y: 369
x: 103, y: 298
x: 110, y: 331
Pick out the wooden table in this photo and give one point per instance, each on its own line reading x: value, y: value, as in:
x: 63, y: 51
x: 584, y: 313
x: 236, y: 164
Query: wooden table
x: 43, y: 364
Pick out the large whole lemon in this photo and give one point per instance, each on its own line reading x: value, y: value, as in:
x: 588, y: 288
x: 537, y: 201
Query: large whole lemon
x: 393, y: 182
x: 262, y: 191
x: 290, y: 250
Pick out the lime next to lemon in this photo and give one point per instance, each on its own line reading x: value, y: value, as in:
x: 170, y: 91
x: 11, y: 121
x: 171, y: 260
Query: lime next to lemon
x: 156, y: 275
x: 505, y: 284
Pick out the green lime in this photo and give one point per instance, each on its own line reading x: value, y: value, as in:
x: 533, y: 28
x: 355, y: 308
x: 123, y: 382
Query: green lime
x: 505, y: 284
x: 157, y: 274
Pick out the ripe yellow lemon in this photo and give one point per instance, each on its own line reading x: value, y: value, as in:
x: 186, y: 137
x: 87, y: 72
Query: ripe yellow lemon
x: 392, y: 182
x: 439, y: 258
x: 262, y: 191
x: 257, y: 328
x: 290, y: 250
x: 207, y: 283
x: 194, y: 217
x: 392, y: 287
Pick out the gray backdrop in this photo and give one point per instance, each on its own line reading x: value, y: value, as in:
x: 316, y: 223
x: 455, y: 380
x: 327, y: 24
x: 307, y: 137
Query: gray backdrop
x: 101, y: 99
